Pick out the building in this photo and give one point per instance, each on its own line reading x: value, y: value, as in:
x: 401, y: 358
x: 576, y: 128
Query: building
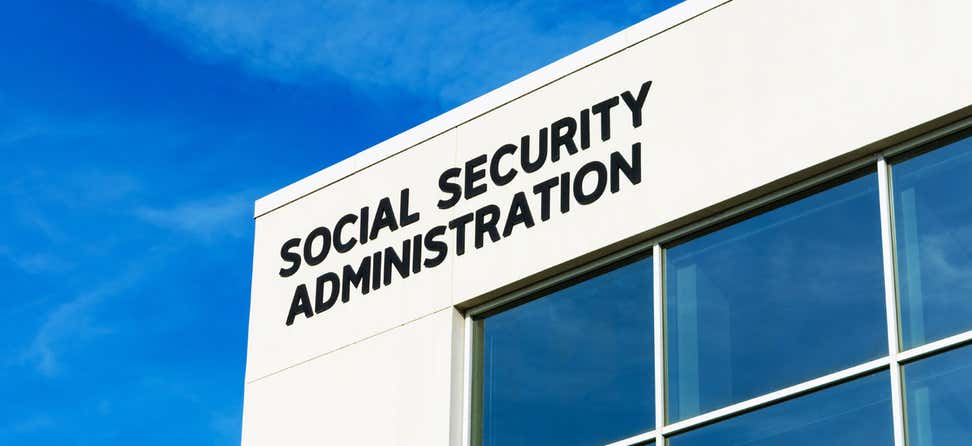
x: 737, y: 222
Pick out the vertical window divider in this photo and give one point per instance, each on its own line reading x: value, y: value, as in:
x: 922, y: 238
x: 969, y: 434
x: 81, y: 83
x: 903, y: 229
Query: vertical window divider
x: 658, y: 304
x: 467, y: 385
x: 890, y: 298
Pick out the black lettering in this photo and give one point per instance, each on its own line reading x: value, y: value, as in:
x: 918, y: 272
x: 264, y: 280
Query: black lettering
x: 585, y: 129
x: 591, y: 167
x: 360, y: 278
x: 300, y: 304
x: 533, y: 166
x: 363, y: 225
x: 543, y: 189
x: 519, y: 214
x: 400, y: 263
x: 289, y: 256
x: 494, y: 173
x: 565, y: 139
x: 459, y: 225
x: 321, y: 305
x: 473, y: 175
x: 405, y: 217
x: 604, y: 110
x: 340, y: 245
x: 632, y: 171
x: 384, y: 218
x: 565, y: 192
x: 325, y: 235
x: 636, y: 105
x: 417, y: 254
x: 376, y: 271
x: 437, y: 246
x: 487, y: 226
x: 453, y: 189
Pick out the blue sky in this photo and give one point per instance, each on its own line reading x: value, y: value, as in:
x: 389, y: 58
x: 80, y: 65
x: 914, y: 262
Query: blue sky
x: 135, y: 137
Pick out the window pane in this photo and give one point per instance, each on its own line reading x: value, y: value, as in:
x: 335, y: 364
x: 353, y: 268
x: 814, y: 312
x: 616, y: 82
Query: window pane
x: 574, y: 367
x: 938, y: 391
x: 933, y: 231
x: 780, y: 298
x: 854, y: 413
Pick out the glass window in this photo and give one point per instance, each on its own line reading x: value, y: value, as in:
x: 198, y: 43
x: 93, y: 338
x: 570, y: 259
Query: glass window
x: 933, y: 234
x: 780, y: 298
x: 572, y: 368
x: 938, y: 395
x: 853, y: 413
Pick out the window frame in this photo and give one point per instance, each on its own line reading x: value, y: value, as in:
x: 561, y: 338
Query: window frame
x: 654, y: 247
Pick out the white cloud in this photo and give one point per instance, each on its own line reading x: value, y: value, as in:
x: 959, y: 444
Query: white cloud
x: 207, y: 218
x: 438, y: 48
x: 69, y: 323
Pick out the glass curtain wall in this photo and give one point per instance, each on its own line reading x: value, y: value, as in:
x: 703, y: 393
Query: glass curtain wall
x: 775, y: 326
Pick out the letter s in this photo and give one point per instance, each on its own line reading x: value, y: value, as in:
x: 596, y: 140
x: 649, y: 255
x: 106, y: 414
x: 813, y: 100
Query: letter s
x: 288, y: 255
x: 454, y: 189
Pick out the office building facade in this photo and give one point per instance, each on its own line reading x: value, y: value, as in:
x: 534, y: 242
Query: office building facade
x: 742, y: 222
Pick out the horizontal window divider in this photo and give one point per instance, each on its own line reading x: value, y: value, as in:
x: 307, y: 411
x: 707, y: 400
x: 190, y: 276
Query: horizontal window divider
x: 635, y: 440
x: 935, y: 347
x: 778, y: 396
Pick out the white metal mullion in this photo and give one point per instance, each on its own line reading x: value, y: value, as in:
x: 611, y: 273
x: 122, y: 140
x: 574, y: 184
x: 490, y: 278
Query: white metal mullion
x: 938, y: 346
x: 891, y: 301
x: 658, y: 314
x: 467, y: 382
x: 658, y: 309
x: 777, y: 396
x: 635, y: 440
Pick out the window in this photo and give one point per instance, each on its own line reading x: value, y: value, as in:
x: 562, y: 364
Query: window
x: 775, y: 324
x: 574, y: 367
x: 938, y: 392
x: 853, y: 413
x: 780, y: 298
x: 933, y: 234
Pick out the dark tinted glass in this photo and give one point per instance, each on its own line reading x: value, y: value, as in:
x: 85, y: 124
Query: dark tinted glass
x: 933, y: 231
x: 574, y: 367
x: 780, y: 298
x: 938, y: 394
x: 853, y: 413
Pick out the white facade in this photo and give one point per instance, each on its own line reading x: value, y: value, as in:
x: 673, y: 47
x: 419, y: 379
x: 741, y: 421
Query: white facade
x: 747, y: 97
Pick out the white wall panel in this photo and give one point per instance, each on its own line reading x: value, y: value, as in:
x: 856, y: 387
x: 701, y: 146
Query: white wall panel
x: 272, y: 344
x: 390, y: 389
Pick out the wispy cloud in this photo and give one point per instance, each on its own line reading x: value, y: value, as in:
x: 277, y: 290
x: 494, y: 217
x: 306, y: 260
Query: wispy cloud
x: 205, y: 219
x: 439, y: 48
x: 69, y: 323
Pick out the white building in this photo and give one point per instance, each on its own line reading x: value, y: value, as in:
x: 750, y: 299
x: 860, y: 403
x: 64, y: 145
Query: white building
x: 736, y: 222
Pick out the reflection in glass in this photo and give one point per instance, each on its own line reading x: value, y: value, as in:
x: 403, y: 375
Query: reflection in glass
x: 933, y: 232
x: 780, y: 298
x: 938, y: 395
x: 853, y: 413
x: 574, y: 367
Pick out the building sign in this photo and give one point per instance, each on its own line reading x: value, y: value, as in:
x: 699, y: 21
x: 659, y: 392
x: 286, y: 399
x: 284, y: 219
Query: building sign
x: 466, y: 232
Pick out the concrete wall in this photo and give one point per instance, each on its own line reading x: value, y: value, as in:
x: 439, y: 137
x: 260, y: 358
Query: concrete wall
x: 747, y: 96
